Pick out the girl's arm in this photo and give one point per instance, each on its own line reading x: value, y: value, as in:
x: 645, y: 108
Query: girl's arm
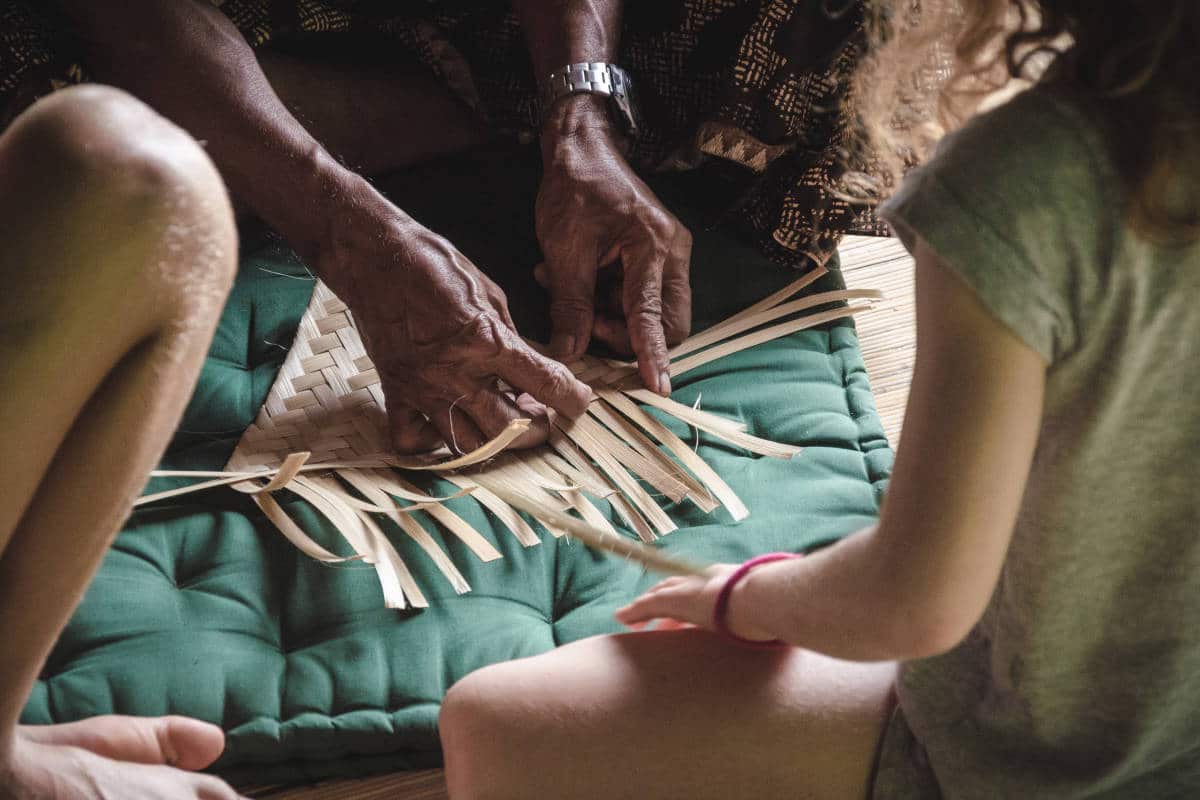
x: 913, y: 585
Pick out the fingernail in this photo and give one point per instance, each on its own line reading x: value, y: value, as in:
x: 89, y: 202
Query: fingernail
x: 566, y: 346
x: 530, y: 406
x: 664, y: 382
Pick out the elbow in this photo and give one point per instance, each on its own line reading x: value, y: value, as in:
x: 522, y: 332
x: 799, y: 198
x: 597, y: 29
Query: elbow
x: 934, y: 638
x: 928, y: 609
x: 931, y: 625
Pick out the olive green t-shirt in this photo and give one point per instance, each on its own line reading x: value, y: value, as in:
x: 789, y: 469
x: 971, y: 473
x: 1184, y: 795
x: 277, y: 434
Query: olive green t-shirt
x: 1083, y: 676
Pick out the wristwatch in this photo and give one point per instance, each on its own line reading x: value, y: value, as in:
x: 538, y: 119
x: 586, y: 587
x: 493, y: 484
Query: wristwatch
x: 595, y: 77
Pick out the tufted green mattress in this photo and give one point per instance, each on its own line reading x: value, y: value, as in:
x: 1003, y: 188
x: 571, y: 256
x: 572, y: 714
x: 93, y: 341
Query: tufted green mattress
x: 202, y: 609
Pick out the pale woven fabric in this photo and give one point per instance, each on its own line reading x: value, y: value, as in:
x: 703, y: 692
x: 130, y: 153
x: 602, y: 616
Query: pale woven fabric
x: 326, y: 399
x: 323, y: 434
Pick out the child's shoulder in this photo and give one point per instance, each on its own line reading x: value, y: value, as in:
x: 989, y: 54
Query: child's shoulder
x: 1020, y: 202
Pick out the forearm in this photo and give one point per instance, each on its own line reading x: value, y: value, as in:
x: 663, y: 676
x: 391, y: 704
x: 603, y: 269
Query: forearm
x: 853, y: 600
x: 917, y: 583
x: 190, y: 63
x: 561, y: 32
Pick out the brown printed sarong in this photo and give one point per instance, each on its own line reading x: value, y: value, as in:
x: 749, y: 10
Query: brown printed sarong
x: 749, y: 92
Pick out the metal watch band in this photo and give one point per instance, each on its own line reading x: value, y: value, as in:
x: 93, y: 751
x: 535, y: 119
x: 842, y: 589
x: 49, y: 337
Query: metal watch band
x: 596, y: 77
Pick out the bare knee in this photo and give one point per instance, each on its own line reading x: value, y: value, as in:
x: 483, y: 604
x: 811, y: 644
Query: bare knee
x: 98, y: 133
x: 109, y: 171
x: 479, y: 738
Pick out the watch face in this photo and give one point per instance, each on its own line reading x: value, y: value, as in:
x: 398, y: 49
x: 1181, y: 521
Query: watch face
x: 626, y: 101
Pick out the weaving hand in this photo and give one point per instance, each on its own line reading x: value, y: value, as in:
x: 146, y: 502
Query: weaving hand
x: 439, y: 333
x: 598, y: 223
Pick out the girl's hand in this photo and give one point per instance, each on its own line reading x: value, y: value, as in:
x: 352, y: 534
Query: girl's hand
x: 690, y: 600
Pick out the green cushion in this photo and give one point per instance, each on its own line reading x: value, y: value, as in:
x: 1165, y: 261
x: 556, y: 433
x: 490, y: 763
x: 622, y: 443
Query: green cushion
x: 201, y: 608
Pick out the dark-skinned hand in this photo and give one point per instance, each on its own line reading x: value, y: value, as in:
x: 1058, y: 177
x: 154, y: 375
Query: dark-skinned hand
x: 439, y: 333
x: 598, y: 223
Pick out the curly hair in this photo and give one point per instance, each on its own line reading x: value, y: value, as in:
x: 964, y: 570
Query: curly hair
x: 933, y: 63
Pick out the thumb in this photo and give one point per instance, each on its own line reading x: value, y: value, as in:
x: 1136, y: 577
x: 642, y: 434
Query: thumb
x: 572, y: 307
x: 410, y: 431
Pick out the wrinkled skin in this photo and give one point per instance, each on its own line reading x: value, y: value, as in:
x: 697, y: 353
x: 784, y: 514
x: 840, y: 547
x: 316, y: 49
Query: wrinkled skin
x: 617, y: 261
x: 440, y: 335
x: 437, y: 329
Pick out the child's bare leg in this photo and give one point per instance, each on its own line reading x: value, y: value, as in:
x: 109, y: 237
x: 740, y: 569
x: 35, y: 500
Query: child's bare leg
x: 673, y: 714
x: 119, y: 249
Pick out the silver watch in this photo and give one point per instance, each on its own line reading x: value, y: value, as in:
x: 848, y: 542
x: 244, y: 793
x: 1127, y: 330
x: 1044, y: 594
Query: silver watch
x: 595, y: 77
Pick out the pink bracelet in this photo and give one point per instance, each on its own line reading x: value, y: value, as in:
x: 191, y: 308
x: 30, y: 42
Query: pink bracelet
x: 721, y: 609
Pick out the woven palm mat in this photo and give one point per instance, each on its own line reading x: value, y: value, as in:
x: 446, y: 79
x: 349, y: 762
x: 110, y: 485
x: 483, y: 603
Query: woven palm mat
x: 887, y: 338
x: 322, y: 434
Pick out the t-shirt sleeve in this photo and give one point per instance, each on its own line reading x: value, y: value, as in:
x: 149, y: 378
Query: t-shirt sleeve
x: 1018, y: 204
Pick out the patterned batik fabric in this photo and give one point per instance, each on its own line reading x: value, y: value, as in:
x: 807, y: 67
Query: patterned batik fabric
x: 749, y: 93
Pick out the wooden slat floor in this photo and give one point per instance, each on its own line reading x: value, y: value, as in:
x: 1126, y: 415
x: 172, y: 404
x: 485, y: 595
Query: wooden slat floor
x: 425, y: 784
x: 888, y: 333
x: 888, y: 339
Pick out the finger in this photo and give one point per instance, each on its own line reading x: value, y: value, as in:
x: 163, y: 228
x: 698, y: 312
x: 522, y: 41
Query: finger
x: 643, y: 313
x: 535, y: 411
x: 572, y: 290
x: 209, y: 787
x: 410, y: 430
x: 492, y: 411
x: 541, y: 275
x: 499, y: 301
x: 609, y: 324
x: 667, y: 583
x: 669, y: 624
x: 610, y: 282
x: 650, y: 605
x: 677, y: 289
x: 501, y: 306
x: 530, y: 407
x: 629, y: 616
x: 546, y: 380
x: 612, y: 332
x: 457, y: 429
x: 645, y: 609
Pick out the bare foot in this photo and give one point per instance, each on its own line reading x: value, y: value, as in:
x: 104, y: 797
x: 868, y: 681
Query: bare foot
x: 114, y: 757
